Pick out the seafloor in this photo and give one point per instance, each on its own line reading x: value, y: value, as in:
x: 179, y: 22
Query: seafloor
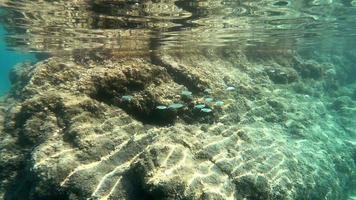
x: 84, y: 123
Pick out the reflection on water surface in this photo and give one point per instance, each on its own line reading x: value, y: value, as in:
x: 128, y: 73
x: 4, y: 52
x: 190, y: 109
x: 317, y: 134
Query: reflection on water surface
x: 146, y: 25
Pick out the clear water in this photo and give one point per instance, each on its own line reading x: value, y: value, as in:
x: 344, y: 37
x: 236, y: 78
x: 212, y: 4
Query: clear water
x: 8, y: 59
x: 254, y: 43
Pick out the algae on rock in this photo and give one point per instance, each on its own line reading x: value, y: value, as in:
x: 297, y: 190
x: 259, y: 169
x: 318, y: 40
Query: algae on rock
x: 67, y: 134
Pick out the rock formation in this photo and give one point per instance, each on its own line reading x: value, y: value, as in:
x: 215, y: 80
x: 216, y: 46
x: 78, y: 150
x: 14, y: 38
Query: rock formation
x: 84, y: 123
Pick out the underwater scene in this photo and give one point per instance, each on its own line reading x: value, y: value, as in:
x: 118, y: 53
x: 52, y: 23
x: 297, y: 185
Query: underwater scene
x: 8, y: 59
x: 178, y: 99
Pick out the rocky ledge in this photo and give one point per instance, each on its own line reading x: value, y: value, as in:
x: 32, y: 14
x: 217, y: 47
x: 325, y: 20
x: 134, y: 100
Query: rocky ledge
x: 217, y: 123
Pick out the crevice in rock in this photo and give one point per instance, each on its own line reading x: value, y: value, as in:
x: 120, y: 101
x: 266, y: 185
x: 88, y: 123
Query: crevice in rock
x: 142, y: 110
x: 134, y: 187
x: 131, y: 90
x: 145, y: 110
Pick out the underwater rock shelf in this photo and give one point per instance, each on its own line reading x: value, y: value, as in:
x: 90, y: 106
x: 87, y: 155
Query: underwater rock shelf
x: 223, y: 123
x: 261, y: 145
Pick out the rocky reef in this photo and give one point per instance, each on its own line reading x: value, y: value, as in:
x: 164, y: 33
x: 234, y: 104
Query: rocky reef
x: 120, y: 121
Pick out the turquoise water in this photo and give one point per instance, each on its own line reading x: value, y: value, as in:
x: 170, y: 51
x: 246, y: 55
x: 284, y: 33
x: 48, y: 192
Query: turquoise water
x: 8, y: 59
x: 178, y: 99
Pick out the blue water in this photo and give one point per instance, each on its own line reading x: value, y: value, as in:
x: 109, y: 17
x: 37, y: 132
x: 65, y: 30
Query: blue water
x: 8, y: 59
